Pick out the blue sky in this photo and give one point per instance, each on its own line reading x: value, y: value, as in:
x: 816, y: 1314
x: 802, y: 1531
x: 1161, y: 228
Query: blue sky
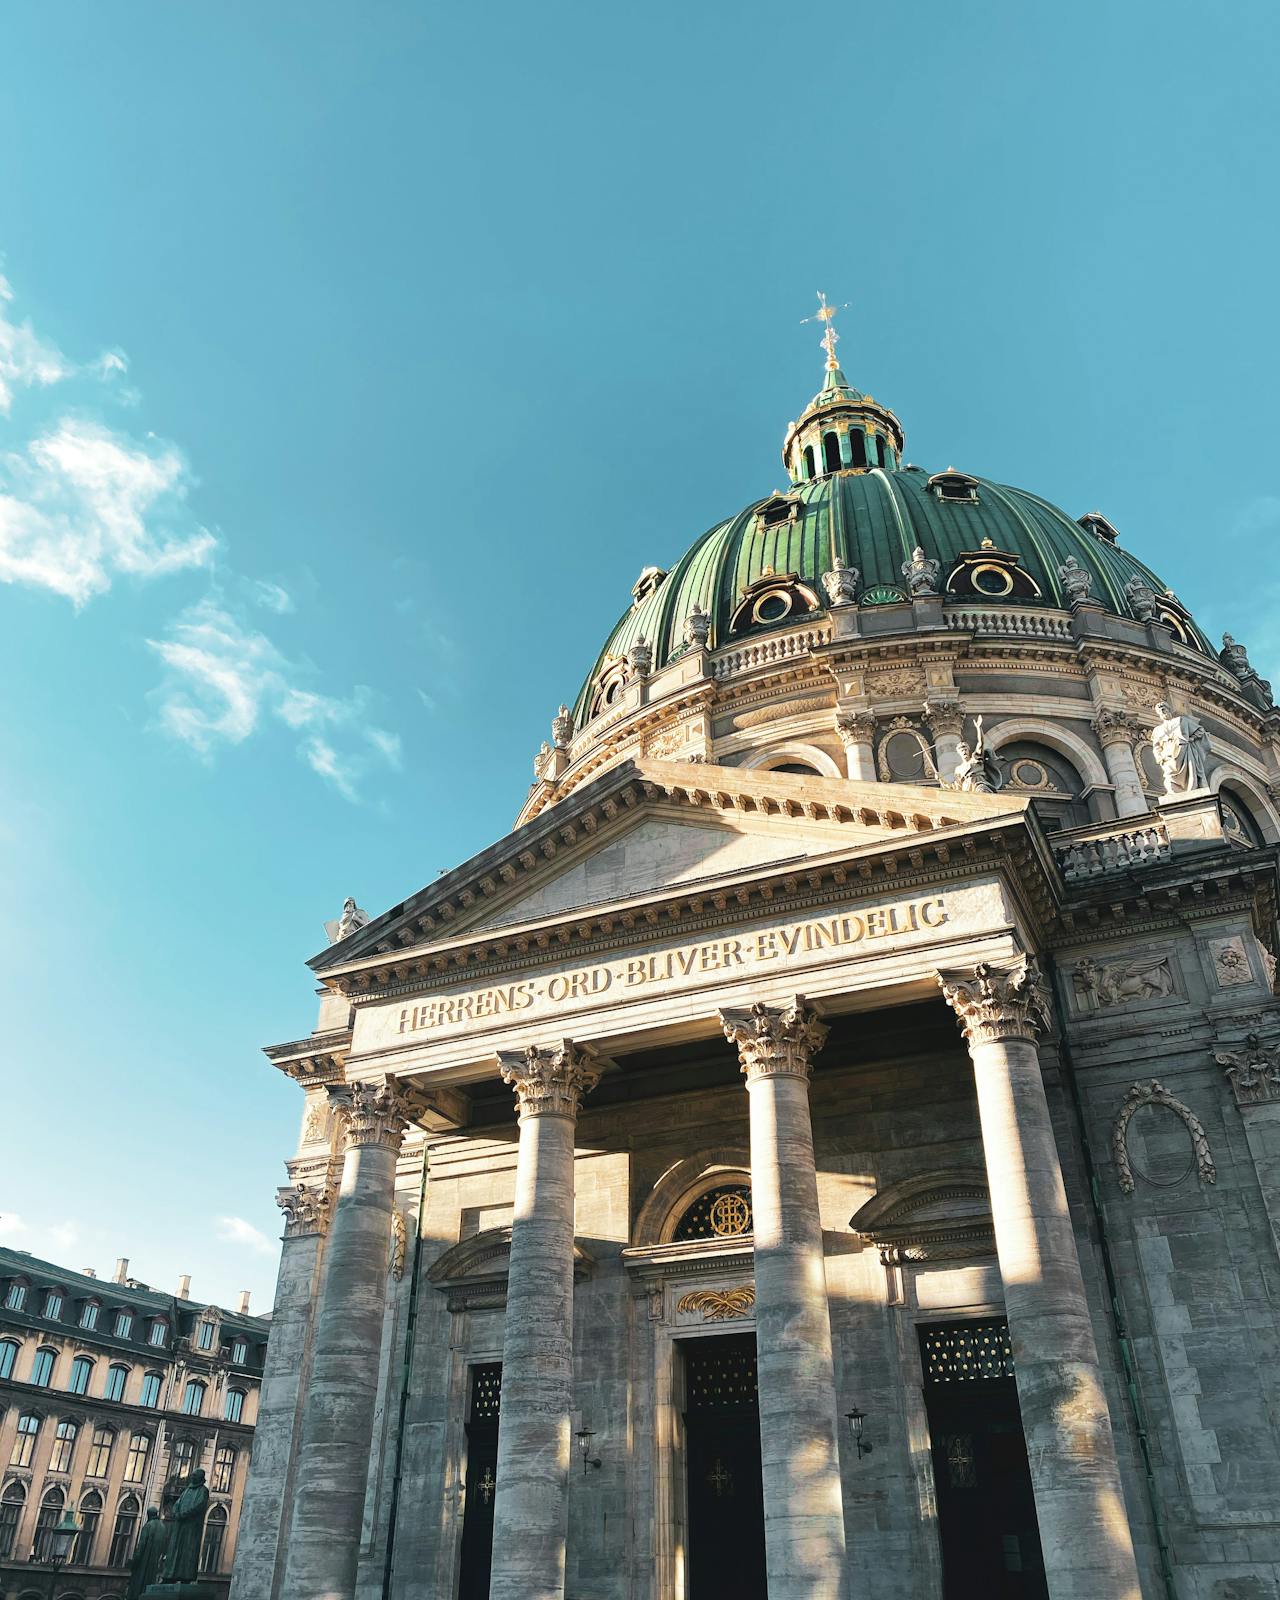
x: 355, y: 358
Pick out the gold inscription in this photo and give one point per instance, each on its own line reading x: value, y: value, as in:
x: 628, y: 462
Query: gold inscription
x: 686, y: 961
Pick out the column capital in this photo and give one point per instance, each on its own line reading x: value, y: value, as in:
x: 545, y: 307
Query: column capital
x: 550, y: 1080
x: 305, y: 1210
x: 945, y: 715
x: 775, y: 1041
x: 371, y: 1113
x: 1116, y: 727
x: 855, y: 727
x: 995, y: 1003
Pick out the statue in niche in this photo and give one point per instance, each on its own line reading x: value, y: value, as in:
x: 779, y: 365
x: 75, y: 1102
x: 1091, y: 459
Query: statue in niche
x: 1181, y: 746
x: 921, y: 573
x: 841, y: 584
x: 148, y: 1554
x: 1075, y: 581
x: 977, y: 770
x: 1142, y: 597
x: 182, y: 1558
x: 351, y: 921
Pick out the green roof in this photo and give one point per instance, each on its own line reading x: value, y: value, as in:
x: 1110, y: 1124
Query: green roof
x: 877, y: 519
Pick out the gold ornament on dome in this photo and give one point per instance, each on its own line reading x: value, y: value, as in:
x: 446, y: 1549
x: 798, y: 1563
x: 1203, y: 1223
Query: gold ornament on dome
x: 729, y: 1216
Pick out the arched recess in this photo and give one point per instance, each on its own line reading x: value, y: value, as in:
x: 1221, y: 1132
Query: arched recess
x: 807, y: 754
x: 1087, y: 762
x: 944, y: 1215
x: 680, y: 1185
x: 473, y: 1274
x: 1229, y: 776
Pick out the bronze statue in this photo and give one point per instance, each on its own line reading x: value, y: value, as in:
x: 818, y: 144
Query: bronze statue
x: 148, y: 1554
x: 182, y: 1558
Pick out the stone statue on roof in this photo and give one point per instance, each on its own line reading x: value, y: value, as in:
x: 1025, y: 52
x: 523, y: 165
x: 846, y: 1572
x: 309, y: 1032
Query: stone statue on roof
x: 841, y: 584
x: 977, y: 770
x: 1181, y: 746
x: 351, y: 921
x: 921, y: 573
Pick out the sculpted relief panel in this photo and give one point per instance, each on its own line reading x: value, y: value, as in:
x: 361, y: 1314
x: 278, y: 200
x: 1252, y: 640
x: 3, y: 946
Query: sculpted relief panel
x: 1104, y: 986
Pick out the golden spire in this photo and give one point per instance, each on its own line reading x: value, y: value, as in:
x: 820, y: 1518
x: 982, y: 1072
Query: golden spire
x: 830, y: 339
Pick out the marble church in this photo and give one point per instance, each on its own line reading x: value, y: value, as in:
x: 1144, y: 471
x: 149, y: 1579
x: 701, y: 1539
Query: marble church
x: 830, y: 1147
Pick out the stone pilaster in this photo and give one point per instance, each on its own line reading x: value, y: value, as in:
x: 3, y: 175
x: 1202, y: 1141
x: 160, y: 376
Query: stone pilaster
x: 531, y: 1507
x: 1117, y: 733
x: 945, y: 718
x: 1253, y: 1071
x: 803, y: 1510
x: 857, y: 731
x: 323, y: 1544
x: 269, y: 1490
x: 1084, y: 1529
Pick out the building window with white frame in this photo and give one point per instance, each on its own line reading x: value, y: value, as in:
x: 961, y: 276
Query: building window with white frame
x: 159, y: 1332
x: 224, y: 1470
x: 42, y: 1367
x: 135, y: 1466
x: 123, y: 1325
x: 53, y: 1304
x: 233, y: 1410
x: 89, y: 1315
x: 117, y: 1377
x: 151, y: 1383
x: 204, y: 1336
x: 24, y: 1441
x: 16, y: 1298
x: 81, y: 1372
x: 8, y: 1356
x: 12, y: 1501
x: 100, y: 1453
x: 193, y: 1396
x: 64, y: 1445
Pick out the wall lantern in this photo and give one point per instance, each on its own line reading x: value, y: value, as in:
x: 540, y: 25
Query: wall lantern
x: 62, y: 1538
x: 855, y: 1419
x: 584, y: 1436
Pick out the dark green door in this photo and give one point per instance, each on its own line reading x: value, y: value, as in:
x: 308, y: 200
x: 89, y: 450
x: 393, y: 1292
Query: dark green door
x: 722, y: 1456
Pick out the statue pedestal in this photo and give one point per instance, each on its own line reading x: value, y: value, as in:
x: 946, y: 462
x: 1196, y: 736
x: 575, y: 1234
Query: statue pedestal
x: 179, y: 1591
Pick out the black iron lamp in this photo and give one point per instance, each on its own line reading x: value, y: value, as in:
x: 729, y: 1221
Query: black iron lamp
x: 855, y: 1419
x: 584, y: 1436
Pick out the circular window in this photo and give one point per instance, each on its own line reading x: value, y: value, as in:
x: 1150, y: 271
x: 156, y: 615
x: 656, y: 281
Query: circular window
x: 772, y: 607
x: 990, y: 579
x: 720, y: 1213
x: 1030, y: 774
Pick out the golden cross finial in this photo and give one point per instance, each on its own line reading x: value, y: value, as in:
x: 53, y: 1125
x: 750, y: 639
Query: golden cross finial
x: 830, y: 339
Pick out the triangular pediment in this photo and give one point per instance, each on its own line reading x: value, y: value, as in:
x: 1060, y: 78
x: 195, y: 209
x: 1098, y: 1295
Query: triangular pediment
x: 649, y: 826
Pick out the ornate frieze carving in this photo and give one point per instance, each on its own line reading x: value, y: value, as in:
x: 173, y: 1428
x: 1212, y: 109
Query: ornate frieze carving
x: 1253, y: 1070
x: 780, y: 708
x: 550, y: 1080
x: 1231, y: 966
x: 901, y: 683
x: 1117, y: 983
x: 1153, y: 1093
x: 719, y: 1305
x: 775, y: 1041
x: 995, y: 1003
x: 371, y: 1113
x: 305, y: 1210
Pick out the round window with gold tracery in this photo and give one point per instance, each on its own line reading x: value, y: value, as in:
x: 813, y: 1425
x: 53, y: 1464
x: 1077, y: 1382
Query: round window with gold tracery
x: 720, y: 1213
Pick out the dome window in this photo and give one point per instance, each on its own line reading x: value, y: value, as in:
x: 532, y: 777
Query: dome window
x: 772, y: 599
x: 777, y: 510
x: 952, y: 485
x: 649, y: 582
x: 831, y: 451
x: 991, y: 574
x: 857, y: 448
x: 881, y: 450
x: 1095, y: 523
x: 609, y: 686
x: 810, y: 464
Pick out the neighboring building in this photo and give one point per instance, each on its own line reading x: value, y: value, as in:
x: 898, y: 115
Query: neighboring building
x: 564, y: 1312
x: 107, y: 1390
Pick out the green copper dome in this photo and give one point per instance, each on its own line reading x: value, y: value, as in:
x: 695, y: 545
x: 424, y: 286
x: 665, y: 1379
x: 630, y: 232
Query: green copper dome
x: 873, y: 520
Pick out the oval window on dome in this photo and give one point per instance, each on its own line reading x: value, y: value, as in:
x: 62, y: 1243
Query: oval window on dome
x: 993, y: 580
x: 772, y: 607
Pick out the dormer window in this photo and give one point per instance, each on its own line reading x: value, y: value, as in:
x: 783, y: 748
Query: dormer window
x: 1095, y: 523
x: 609, y: 686
x: 53, y: 1304
x: 89, y: 1315
x: 16, y: 1296
x: 649, y: 582
x: 772, y: 598
x: 204, y: 1336
x: 952, y: 485
x: 774, y: 512
x: 991, y: 574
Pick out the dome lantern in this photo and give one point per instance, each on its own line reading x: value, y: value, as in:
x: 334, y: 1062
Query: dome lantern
x: 841, y: 429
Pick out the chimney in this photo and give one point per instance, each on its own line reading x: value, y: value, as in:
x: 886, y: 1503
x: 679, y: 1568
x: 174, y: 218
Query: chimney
x: 122, y: 1269
x: 89, y: 1272
x: 243, y: 1307
x: 184, y: 1286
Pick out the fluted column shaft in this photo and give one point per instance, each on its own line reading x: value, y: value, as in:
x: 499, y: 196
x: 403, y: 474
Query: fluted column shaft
x: 803, y: 1509
x: 531, y: 1504
x: 1084, y: 1528
x: 337, y: 1423
x: 1122, y: 769
x: 857, y: 731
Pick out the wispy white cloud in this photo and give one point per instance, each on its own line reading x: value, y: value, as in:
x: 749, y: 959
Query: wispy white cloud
x: 271, y: 596
x: 26, y: 360
x: 79, y: 505
x: 64, y: 1234
x: 224, y: 679
x: 235, y: 1230
x: 11, y: 1225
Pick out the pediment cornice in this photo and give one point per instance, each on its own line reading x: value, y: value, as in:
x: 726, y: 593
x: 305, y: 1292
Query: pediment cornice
x: 320, y: 1059
x: 919, y: 829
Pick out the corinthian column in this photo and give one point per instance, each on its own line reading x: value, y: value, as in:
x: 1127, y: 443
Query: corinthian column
x: 1116, y: 734
x: 531, y: 1505
x: 337, y: 1423
x: 1084, y: 1530
x: 803, y: 1510
x: 857, y: 729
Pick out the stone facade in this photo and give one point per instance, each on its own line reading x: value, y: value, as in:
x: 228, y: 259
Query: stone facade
x: 108, y: 1390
